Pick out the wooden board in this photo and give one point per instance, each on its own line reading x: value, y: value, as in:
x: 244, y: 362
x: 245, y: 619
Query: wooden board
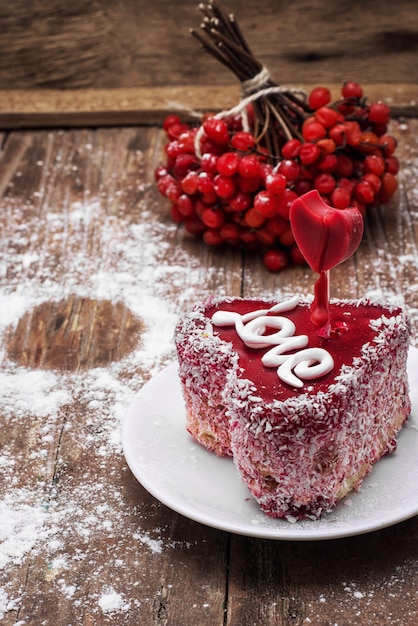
x: 131, y: 43
x: 134, y: 106
x: 93, y: 275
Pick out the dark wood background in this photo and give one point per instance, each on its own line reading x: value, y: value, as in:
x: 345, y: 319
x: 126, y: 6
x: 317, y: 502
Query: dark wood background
x: 133, y: 43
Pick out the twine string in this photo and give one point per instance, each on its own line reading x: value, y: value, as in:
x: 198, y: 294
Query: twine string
x: 257, y: 82
x: 241, y: 107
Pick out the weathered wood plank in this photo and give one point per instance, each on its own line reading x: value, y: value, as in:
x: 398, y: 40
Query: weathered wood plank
x: 82, y: 221
x: 72, y: 203
x: 347, y: 581
x: 136, y: 106
x: 143, y: 44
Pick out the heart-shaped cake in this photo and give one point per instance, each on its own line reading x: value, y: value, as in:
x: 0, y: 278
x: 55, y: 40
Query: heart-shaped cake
x: 304, y: 417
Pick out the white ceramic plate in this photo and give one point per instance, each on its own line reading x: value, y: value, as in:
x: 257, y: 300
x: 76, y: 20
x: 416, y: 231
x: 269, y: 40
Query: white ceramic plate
x: 206, y: 488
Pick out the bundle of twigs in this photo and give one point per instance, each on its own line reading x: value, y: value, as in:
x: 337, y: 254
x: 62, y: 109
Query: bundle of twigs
x: 278, y: 112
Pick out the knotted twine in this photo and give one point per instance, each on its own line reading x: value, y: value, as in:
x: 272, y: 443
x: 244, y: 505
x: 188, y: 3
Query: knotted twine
x: 252, y: 89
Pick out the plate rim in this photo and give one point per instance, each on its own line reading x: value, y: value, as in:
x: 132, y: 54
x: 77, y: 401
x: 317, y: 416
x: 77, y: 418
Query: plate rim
x: 290, y: 533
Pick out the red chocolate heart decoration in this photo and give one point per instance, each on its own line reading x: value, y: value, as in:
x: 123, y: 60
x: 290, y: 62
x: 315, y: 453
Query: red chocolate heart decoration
x: 325, y: 236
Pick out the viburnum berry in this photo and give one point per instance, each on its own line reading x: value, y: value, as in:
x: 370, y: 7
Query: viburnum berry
x: 265, y: 236
x: 347, y: 183
x: 230, y: 231
x: 275, y: 184
x: 174, y: 127
x: 175, y: 214
x: 249, y: 166
x: 205, y: 183
x: 265, y: 204
x: 213, y: 217
x: 227, y: 163
x: 242, y: 141
x: 373, y: 180
x: 392, y: 165
x: 338, y: 134
x: 254, y: 218
x: 217, y: 130
x: 190, y: 182
x: 303, y: 185
x: 240, y: 201
x: 185, y: 205
x: 388, y: 144
x: 345, y: 166
x: 326, y: 145
x: 369, y: 143
x: 277, y: 225
x: 249, y: 239
x: 380, y: 129
x: 171, y: 120
x: 248, y: 185
x: 166, y: 184
x: 212, y: 237
x: 326, y: 116
x: 172, y: 151
x: 364, y: 192
x: 284, y: 207
x: 290, y: 169
x: 325, y: 183
x: 287, y: 239
x: 230, y: 189
x: 379, y: 113
x: 187, y: 141
x: 184, y: 163
x: 327, y: 163
x: 208, y: 162
x: 224, y: 186
x: 319, y: 97
x: 194, y: 226
x: 388, y: 188
x: 341, y: 197
x: 352, y: 132
x: 275, y: 260
x: 160, y: 171
x: 265, y: 169
x: 309, y: 153
x: 291, y: 148
x: 297, y: 256
x: 313, y: 130
x: 374, y: 164
x: 351, y: 89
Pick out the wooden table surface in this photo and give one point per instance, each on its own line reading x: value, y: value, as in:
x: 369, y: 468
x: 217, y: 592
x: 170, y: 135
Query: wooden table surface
x: 93, y: 275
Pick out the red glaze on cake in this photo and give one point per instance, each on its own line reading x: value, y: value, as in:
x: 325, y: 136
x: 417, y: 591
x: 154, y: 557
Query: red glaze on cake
x: 298, y: 449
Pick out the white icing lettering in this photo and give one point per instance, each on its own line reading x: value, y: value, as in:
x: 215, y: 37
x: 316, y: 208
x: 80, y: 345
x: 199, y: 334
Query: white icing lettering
x: 252, y: 334
x: 306, y: 364
x: 275, y: 356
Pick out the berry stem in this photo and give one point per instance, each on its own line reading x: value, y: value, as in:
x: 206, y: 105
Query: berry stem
x: 277, y: 116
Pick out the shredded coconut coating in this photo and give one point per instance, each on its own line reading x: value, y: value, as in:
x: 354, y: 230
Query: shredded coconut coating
x: 301, y: 455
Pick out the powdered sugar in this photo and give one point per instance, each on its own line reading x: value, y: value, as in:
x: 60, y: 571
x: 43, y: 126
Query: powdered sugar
x: 39, y: 520
x: 21, y: 526
x: 113, y: 601
x: 66, y: 516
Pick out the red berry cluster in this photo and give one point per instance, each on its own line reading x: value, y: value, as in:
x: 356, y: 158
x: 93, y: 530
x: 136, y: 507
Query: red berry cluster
x: 231, y: 190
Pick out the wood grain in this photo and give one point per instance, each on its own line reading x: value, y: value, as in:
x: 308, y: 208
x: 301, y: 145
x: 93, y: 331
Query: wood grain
x: 74, y: 334
x: 81, y: 218
x: 101, y: 44
x: 135, y: 106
